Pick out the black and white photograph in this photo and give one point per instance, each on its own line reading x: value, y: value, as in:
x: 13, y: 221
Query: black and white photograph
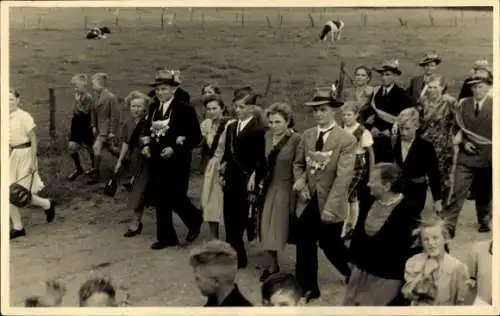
x: 246, y: 155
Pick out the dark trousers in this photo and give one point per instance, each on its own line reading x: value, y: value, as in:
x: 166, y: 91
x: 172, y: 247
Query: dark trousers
x: 417, y: 194
x: 310, y: 230
x: 190, y: 215
x: 382, y: 149
x: 464, y: 177
x: 236, y: 216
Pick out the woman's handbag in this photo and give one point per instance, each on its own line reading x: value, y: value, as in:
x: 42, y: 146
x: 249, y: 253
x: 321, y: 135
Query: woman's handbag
x: 19, y: 195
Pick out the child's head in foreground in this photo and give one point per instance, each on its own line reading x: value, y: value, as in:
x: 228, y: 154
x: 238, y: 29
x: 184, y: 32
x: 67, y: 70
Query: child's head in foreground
x: 214, y: 266
x: 433, y: 235
x: 280, y: 289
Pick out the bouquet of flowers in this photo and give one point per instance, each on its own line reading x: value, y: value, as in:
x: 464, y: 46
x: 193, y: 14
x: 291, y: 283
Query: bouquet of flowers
x: 159, y: 128
x: 317, y: 160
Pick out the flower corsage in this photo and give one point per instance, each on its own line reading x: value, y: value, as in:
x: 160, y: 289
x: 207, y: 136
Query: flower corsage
x: 159, y: 128
x: 317, y: 160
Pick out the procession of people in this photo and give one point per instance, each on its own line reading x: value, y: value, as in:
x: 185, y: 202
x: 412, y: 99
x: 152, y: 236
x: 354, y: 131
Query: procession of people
x: 355, y: 186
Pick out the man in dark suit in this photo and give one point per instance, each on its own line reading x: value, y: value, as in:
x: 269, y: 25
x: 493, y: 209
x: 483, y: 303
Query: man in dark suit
x: 417, y: 85
x: 171, y: 132
x: 474, y: 161
x: 388, y: 100
x: 244, y: 149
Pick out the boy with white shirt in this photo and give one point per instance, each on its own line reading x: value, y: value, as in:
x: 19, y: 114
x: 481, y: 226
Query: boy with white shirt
x: 244, y: 150
x: 365, y: 158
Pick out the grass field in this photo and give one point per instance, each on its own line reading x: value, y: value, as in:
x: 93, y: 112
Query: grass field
x: 48, y: 46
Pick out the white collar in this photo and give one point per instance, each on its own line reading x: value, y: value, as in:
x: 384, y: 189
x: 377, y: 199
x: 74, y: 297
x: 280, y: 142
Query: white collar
x: 409, y: 143
x: 326, y: 129
x: 481, y: 102
x: 245, y: 121
x: 351, y: 128
x: 388, y: 89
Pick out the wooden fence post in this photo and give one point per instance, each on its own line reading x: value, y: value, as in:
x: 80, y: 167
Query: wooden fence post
x: 243, y: 17
x: 52, y: 113
x: 162, y: 17
x: 269, y: 24
x: 311, y: 19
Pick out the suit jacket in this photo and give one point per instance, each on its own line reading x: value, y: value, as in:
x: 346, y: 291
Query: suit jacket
x: 243, y: 152
x: 421, y: 161
x: 183, y: 122
x: 482, y: 125
x: 393, y: 103
x: 234, y: 299
x: 331, y: 184
x: 415, y: 88
x: 106, y: 117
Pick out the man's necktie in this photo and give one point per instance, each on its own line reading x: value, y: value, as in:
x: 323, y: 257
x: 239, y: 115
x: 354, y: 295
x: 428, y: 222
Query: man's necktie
x: 320, y: 142
x: 476, y: 108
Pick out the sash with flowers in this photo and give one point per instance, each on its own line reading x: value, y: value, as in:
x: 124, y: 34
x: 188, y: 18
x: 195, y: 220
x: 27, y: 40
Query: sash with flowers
x: 318, y: 160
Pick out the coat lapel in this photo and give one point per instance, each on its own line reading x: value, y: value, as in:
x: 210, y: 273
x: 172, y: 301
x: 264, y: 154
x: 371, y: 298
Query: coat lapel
x: 330, y: 140
x: 486, y: 111
x: 398, y: 157
x: 247, y: 128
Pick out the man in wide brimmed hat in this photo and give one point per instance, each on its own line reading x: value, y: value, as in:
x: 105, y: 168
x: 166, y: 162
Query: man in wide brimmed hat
x: 172, y: 131
x: 474, y: 163
x: 388, y: 100
x: 181, y: 94
x: 323, y: 169
x: 480, y: 67
x: 417, y: 87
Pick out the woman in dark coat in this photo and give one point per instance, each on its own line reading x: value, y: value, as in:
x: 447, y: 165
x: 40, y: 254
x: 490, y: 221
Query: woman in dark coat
x: 382, y: 242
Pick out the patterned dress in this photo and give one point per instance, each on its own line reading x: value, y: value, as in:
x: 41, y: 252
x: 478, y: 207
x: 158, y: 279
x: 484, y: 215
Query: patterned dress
x: 437, y: 126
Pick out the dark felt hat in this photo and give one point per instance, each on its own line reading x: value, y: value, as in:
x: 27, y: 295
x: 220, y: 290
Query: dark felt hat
x: 325, y: 95
x: 480, y: 79
x: 429, y: 58
x: 389, y: 65
x: 167, y: 77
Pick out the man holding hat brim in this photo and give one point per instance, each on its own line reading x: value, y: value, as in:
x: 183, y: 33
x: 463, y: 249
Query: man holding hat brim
x: 171, y: 132
x: 387, y: 102
x: 480, y: 67
x: 323, y: 169
x: 474, y: 116
x: 417, y: 84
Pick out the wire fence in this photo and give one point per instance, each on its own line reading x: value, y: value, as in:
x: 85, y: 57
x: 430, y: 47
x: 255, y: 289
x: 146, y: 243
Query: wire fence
x: 58, y: 99
x: 166, y: 18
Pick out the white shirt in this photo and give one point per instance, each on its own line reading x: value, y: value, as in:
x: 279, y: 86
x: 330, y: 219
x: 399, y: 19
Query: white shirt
x: 405, y: 148
x: 325, y: 136
x: 21, y: 123
x: 365, y: 141
x: 480, y: 102
x: 386, y: 91
x: 242, y: 124
x: 165, y: 105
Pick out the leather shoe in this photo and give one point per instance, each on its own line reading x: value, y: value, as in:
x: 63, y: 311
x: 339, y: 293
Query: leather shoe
x: 484, y: 228
x: 132, y: 233
x: 15, y: 233
x: 51, y: 212
x: 75, y: 174
x: 161, y: 245
x: 193, y: 233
